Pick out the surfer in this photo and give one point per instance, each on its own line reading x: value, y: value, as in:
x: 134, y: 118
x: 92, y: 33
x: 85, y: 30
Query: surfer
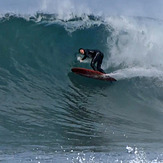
x: 97, y: 57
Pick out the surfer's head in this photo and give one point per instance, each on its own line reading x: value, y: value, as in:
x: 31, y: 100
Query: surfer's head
x: 81, y: 51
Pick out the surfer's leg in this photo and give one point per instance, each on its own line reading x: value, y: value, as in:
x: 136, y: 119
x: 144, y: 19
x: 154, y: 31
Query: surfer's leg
x: 99, y: 62
x: 93, y: 62
x: 100, y: 69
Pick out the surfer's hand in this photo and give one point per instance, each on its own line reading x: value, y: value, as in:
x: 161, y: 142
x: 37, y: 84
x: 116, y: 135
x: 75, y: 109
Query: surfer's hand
x: 81, y: 60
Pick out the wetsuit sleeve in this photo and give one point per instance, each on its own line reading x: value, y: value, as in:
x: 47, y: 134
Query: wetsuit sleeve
x: 86, y: 54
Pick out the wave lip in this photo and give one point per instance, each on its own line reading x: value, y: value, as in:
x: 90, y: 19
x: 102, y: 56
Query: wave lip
x: 67, y: 7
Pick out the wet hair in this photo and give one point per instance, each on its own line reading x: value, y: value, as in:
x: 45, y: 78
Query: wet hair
x: 80, y: 49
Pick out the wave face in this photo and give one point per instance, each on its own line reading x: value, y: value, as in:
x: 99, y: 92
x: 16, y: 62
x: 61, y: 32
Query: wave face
x: 49, y: 114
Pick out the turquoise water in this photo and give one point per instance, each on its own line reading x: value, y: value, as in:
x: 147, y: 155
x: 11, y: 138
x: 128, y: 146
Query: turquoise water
x: 49, y: 114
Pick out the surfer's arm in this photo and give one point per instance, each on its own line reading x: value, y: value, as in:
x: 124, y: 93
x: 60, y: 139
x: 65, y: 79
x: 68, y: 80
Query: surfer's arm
x: 86, y: 54
x: 84, y: 57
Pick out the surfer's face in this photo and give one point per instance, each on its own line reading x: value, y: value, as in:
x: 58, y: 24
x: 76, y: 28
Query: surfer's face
x: 81, y: 51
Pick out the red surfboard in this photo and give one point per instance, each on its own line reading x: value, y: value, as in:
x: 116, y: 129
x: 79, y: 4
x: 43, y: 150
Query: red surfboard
x: 92, y: 74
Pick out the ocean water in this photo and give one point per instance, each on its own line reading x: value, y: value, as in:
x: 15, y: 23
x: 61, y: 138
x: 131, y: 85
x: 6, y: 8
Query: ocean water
x: 49, y: 114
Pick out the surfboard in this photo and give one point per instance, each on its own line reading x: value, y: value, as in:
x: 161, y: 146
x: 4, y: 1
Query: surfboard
x: 92, y: 74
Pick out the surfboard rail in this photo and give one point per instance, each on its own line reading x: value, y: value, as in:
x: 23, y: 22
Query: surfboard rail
x: 92, y: 74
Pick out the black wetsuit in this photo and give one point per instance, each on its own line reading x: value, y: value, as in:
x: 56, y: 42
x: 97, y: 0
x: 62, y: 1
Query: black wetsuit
x: 97, y: 57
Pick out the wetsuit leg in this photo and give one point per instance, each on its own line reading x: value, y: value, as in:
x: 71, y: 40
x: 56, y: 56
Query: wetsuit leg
x: 98, y: 58
x: 99, y: 63
x: 94, y: 60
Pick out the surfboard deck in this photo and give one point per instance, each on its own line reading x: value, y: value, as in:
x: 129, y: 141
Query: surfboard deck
x: 92, y: 74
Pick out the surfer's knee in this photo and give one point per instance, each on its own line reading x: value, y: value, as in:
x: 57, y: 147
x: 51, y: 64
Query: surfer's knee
x: 93, y: 65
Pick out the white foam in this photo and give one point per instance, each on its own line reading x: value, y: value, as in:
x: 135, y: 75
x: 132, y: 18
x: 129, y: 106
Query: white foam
x: 136, y: 47
x: 128, y: 73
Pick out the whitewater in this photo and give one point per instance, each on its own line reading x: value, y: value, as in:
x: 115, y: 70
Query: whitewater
x: 49, y: 114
